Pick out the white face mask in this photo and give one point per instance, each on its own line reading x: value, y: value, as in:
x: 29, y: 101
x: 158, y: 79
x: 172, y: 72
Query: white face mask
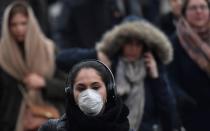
x: 90, y: 102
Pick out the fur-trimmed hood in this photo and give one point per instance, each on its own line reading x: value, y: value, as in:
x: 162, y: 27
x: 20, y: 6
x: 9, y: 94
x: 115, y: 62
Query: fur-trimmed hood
x: 151, y: 36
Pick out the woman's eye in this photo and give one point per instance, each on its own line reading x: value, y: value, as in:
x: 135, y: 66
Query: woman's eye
x: 80, y: 89
x: 95, y: 87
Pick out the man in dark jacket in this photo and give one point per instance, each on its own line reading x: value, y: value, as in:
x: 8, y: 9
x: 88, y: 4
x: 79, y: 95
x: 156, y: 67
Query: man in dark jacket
x: 168, y: 21
x: 82, y: 22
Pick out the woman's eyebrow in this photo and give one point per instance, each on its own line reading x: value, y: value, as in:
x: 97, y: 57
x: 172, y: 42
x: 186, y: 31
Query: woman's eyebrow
x: 95, y: 83
x: 79, y: 84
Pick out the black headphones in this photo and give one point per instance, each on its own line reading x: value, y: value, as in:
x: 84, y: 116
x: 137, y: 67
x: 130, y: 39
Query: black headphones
x: 110, y: 87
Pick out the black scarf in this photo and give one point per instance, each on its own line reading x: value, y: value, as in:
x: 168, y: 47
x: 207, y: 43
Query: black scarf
x: 114, y: 118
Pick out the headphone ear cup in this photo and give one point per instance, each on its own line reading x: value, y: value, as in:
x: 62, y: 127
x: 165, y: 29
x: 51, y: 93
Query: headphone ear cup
x: 68, y: 91
x: 112, y: 89
x: 69, y: 95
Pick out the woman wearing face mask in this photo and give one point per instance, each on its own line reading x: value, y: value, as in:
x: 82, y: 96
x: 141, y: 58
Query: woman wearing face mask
x: 27, y: 72
x: 92, y: 103
x: 190, y: 70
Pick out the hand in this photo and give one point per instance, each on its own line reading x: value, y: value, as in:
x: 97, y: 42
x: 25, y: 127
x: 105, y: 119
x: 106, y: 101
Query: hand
x: 34, y: 81
x: 151, y: 65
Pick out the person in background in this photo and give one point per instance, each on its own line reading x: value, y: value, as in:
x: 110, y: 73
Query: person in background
x: 92, y: 102
x: 150, y: 10
x: 40, y: 8
x: 190, y: 69
x: 137, y: 52
x: 129, y: 7
x: 82, y: 22
x: 168, y: 21
x: 28, y: 75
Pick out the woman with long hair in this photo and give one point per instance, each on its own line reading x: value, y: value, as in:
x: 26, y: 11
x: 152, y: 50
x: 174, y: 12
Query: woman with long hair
x: 26, y: 68
x: 92, y: 102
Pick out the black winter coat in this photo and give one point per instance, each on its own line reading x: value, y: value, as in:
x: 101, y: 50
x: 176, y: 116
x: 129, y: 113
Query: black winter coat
x: 167, y: 24
x: 81, y: 23
x: 192, y: 87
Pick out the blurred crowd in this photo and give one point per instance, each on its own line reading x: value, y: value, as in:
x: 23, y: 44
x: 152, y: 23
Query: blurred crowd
x: 158, y: 51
